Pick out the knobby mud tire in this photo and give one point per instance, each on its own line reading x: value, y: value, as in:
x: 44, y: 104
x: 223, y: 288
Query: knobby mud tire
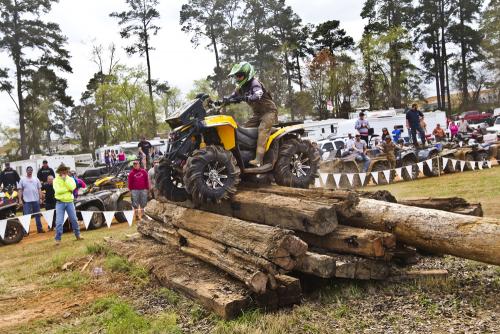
x: 167, y: 184
x: 196, y: 167
x: 14, y: 233
x: 283, y: 174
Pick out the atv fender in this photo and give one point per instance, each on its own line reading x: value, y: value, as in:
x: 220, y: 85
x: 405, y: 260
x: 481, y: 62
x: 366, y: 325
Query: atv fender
x: 296, y: 129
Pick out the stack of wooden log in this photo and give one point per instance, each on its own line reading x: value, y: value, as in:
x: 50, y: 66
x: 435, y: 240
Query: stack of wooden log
x: 264, y: 235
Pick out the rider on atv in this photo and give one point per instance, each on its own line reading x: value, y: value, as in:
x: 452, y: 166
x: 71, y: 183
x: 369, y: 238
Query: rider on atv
x: 265, y: 113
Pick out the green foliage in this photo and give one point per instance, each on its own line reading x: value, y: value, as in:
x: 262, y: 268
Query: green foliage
x: 72, y: 279
x: 119, y: 264
x: 170, y: 296
x: 97, y: 248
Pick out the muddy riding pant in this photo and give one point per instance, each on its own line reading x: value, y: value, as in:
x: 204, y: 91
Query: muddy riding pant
x: 265, y: 123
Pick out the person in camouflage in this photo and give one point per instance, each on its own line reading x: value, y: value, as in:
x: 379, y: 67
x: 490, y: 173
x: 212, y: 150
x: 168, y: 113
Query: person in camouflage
x: 265, y: 112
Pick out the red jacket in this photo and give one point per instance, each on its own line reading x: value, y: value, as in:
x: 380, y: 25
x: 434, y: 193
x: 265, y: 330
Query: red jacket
x: 138, y: 179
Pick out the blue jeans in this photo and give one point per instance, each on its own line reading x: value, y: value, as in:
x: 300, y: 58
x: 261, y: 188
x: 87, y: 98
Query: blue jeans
x: 414, y: 129
x: 69, y: 207
x: 363, y: 157
x: 32, y: 207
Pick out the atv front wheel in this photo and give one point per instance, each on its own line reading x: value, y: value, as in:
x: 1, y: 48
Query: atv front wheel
x: 14, y: 232
x: 297, y: 164
x: 169, y: 182
x: 211, y: 174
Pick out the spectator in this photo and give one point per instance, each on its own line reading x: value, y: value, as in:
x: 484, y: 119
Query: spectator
x: 317, y: 148
x: 463, y: 126
x: 362, y: 126
x: 389, y: 148
x: 44, y: 172
x: 64, y: 185
x: 349, y: 144
x: 145, y: 148
x: 30, y: 192
x: 113, y: 157
x: 50, y: 200
x: 151, y: 175
x: 438, y: 133
x: 9, y: 177
x: 80, y: 184
x: 413, y: 117
x: 453, y: 130
x: 138, y: 183
x: 396, y: 134
x: 107, y: 159
x: 385, y: 133
x: 121, y: 156
x: 359, y: 148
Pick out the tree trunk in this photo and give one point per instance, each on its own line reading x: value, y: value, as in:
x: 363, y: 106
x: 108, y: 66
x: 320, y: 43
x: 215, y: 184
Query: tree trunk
x: 275, y: 210
x: 450, y: 204
x: 435, y: 231
x: 276, y: 245
x: 319, y: 265
x: 299, y: 73
x: 463, y: 54
x: 150, y: 84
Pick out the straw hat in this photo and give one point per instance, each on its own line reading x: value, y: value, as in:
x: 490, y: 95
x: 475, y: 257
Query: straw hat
x: 62, y: 168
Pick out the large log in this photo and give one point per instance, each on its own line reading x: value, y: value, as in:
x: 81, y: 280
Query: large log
x: 450, y: 204
x: 298, y: 214
x: 320, y: 265
x: 276, y: 245
x: 474, y: 238
x: 352, y: 240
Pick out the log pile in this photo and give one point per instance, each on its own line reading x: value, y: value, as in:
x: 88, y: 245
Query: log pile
x: 264, y: 236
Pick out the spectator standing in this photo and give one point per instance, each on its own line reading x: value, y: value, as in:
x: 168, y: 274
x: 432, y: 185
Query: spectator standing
x: 463, y: 125
x: 113, y: 157
x: 30, y: 192
x: 413, y: 117
x: 362, y: 126
x: 121, y: 156
x: 107, y: 159
x: 389, y: 148
x: 44, y: 172
x: 438, y: 133
x: 151, y: 175
x: 80, y: 184
x: 145, y: 149
x: 453, y: 130
x: 396, y: 134
x: 359, y: 148
x: 138, y: 183
x: 9, y: 177
x: 50, y: 199
x: 64, y: 185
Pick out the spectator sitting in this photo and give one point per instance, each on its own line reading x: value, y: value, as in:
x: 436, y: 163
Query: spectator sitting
x: 349, y: 143
x: 438, y: 133
x: 9, y: 177
x: 385, y: 133
x: 396, y: 133
x: 362, y: 126
x: 30, y: 192
x: 44, y: 172
x: 50, y: 199
x: 359, y: 148
x: 138, y: 183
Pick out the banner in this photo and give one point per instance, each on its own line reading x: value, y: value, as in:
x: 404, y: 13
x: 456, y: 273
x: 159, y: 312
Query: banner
x: 49, y: 216
x: 420, y: 166
x: 387, y: 174
x: 429, y: 163
x: 3, y: 226
x: 409, y: 170
x: 25, y: 221
x: 336, y: 178
x: 129, y: 216
x: 399, y: 172
x: 462, y: 165
x: 108, y: 217
x: 350, y: 177
x: 375, y: 177
x: 489, y: 164
x: 362, y: 178
x: 87, y: 217
x: 445, y: 161
x: 472, y: 165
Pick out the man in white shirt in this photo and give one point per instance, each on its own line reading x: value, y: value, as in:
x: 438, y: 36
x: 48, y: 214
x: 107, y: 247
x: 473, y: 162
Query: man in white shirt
x: 360, y: 150
x: 30, y: 192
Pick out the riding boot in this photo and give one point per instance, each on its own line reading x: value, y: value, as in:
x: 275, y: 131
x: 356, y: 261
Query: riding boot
x: 265, y: 126
x: 259, y: 157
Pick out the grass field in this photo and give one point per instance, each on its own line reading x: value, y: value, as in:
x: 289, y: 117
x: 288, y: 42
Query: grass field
x: 38, y: 296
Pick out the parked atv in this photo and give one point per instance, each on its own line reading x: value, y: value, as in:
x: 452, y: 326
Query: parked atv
x: 14, y: 231
x: 208, y: 152
x: 117, y: 179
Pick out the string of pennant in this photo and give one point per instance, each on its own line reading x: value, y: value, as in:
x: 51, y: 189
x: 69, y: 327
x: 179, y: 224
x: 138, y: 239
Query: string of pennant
x: 48, y: 215
x: 322, y: 179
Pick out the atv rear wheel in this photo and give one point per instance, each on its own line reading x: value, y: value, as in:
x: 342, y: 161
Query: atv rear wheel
x: 14, y: 232
x: 170, y: 183
x: 122, y: 206
x: 97, y: 220
x: 409, y: 161
x: 379, y: 167
x: 297, y: 164
x: 434, y: 171
x: 211, y: 174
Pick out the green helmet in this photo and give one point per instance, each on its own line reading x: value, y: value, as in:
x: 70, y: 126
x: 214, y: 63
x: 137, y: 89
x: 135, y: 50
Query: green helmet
x: 244, y: 68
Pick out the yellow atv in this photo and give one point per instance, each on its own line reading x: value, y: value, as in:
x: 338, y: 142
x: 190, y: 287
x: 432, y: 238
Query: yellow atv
x: 117, y: 179
x: 208, y: 152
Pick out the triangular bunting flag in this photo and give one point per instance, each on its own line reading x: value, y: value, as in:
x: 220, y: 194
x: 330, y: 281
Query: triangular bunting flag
x: 387, y: 174
x: 336, y: 178
x: 409, y: 170
x: 420, y: 166
x: 480, y: 165
x: 398, y: 172
x: 317, y: 182
x: 129, y: 216
x: 87, y: 217
x: 350, y: 177
x: 25, y: 221
x: 454, y: 163
x: 49, y: 217
x: 323, y: 178
x: 108, y: 217
x: 462, y: 165
x: 460, y: 144
x: 429, y: 163
x: 445, y: 161
x: 489, y: 164
x: 375, y: 177
x: 472, y: 165
x: 3, y: 226
x: 362, y: 178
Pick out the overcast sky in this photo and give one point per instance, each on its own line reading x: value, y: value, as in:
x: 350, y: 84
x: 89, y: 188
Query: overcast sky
x: 87, y: 22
